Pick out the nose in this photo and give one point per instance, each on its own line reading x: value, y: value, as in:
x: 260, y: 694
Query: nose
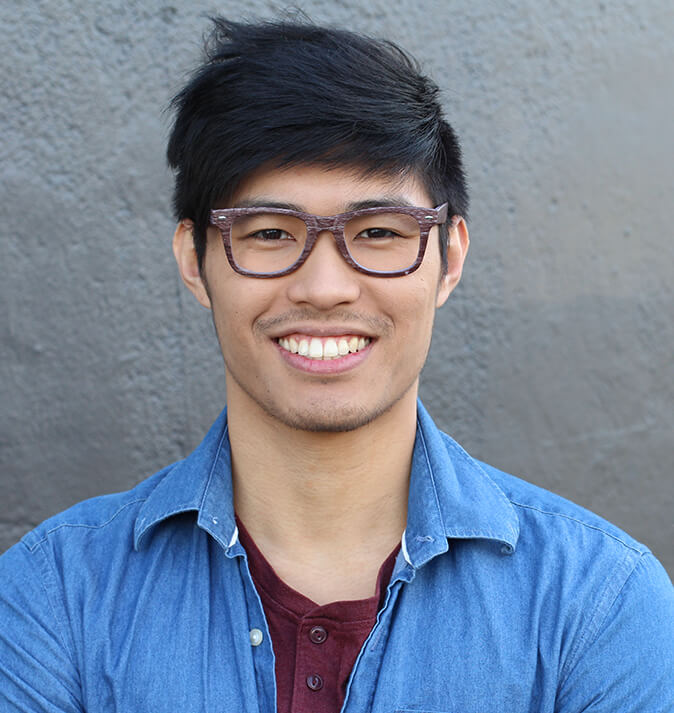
x: 325, y: 280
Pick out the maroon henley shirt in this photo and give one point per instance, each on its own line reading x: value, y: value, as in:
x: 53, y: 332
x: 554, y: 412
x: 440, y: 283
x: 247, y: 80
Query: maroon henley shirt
x: 315, y: 646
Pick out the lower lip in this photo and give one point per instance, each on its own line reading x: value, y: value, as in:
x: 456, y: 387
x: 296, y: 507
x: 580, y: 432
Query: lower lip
x: 325, y: 366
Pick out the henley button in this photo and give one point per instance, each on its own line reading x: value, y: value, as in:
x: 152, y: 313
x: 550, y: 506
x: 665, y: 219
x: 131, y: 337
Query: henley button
x: 255, y: 637
x: 318, y: 634
x: 314, y: 682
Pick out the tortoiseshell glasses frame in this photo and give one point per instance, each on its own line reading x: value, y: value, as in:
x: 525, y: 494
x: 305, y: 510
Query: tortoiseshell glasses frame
x: 426, y: 218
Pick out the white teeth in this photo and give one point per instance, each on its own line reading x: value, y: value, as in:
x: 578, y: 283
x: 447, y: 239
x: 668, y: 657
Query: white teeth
x: 330, y: 349
x: 315, y: 348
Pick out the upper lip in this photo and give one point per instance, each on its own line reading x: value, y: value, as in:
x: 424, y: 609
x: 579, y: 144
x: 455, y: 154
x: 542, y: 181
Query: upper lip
x: 323, y: 330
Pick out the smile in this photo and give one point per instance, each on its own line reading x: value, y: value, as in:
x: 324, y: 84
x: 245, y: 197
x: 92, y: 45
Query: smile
x: 322, y: 348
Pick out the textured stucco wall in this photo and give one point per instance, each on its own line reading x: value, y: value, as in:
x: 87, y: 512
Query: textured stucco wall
x: 552, y: 360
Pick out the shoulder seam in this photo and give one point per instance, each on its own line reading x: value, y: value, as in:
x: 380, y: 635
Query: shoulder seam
x: 99, y: 526
x: 64, y: 628
x: 640, y: 551
x: 588, y: 636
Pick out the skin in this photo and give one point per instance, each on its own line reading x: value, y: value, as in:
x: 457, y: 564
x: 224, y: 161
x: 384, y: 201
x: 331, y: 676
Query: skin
x: 321, y: 459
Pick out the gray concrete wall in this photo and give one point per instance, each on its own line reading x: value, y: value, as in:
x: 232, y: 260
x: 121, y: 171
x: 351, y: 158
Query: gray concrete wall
x: 552, y: 360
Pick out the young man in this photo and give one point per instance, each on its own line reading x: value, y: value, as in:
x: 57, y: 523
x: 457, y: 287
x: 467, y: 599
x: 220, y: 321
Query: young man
x: 326, y: 547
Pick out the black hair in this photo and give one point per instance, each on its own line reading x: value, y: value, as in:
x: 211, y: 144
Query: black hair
x: 291, y: 92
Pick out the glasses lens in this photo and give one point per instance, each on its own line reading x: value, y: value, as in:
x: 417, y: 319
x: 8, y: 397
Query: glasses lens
x: 267, y: 242
x: 383, y: 241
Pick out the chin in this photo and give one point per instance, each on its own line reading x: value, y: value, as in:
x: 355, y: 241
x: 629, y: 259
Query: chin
x: 318, y: 413
x: 326, y: 420
x: 324, y: 415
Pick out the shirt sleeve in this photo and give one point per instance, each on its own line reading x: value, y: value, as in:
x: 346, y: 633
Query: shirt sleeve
x: 37, y: 671
x: 628, y: 665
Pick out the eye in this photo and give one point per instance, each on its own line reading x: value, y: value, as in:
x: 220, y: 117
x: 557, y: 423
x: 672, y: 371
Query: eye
x: 271, y: 235
x: 381, y: 228
x: 377, y: 234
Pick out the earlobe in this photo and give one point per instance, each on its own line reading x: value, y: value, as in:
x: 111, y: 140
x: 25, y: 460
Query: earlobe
x: 188, y: 265
x: 444, y: 290
x: 457, y: 249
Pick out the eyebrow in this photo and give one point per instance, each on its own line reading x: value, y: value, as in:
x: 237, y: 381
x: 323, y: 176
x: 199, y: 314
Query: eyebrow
x: 388, y: 201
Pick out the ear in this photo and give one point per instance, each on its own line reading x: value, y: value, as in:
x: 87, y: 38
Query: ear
x: 188, y: 265
x: 458, y: 242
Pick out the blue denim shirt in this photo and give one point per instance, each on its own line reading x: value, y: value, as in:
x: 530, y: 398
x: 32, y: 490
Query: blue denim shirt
x: 504, y: 597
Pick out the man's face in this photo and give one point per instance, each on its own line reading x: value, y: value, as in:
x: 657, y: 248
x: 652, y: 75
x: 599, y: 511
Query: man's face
x: 386, y: 323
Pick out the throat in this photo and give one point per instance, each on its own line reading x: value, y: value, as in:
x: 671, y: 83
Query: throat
x: 321, y: 576
x: 327, y: 523
x: 322, y: 501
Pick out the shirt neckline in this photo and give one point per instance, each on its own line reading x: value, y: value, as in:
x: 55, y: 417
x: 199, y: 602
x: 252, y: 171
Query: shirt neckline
x: 299, y: 606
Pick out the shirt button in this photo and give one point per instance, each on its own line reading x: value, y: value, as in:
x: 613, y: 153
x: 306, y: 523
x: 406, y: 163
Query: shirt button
x: 318, y: 634
x: 314, y: 682
x: 256, y: 637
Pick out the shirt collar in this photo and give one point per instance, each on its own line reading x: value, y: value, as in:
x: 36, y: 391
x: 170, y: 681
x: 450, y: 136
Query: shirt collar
x: 202, y: 483
x: 451, y: 496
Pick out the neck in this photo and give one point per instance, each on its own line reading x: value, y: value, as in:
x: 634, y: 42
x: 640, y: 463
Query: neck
x: 312, y: 501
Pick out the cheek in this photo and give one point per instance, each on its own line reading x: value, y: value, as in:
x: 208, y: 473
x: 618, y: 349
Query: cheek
x: 412, y: 310
x: 237, y: 303
x: 422, y: 297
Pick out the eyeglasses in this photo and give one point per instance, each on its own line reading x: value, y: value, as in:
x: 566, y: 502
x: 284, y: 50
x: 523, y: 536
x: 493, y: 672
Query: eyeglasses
x: 380, y: 241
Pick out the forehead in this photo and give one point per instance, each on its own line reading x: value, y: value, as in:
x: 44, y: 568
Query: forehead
x: 329, y: 190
